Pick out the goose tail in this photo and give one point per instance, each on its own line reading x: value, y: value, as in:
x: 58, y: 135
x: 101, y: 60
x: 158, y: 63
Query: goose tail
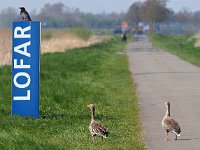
x: 178, y: 134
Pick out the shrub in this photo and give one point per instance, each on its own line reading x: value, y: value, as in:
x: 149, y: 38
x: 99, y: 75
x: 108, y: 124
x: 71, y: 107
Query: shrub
x: 82, y: 33
x: 47, y: 34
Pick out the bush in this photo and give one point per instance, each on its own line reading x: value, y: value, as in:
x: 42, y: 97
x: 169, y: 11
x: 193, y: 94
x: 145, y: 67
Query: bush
x: 47, y: 35
x: 82, y: 33
x: 190, y: 32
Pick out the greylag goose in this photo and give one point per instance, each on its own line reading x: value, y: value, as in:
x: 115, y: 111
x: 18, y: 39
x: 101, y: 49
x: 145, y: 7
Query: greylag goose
x: 170, y: 124
x: 96, y: 128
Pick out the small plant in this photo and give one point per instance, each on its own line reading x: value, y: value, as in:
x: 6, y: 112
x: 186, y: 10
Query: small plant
x: 82, y: 33
x: 47, y: 35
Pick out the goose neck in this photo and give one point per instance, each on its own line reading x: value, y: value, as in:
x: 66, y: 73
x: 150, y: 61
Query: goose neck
x: 167, y: 110
x: 93, y: 114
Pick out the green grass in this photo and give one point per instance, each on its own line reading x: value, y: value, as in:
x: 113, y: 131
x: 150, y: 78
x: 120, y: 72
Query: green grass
x: 82, y: 33
x: 70, y: 81
x: 182, y: 46
x: 47, y: 34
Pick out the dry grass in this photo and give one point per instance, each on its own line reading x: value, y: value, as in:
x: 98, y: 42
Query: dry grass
x: 5, y: 46
x: 61, y: 40
x: 197, y: 37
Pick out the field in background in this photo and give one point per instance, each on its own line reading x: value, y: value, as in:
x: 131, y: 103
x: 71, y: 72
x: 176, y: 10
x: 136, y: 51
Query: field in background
x: 82, y: 33
x: 53, y: 40
x: 5, y: 46
x: 69, y: 81
x: 197, y: 37
x: 183, y: 46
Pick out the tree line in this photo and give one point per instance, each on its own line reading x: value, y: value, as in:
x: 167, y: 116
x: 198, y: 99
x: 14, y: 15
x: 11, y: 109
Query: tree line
x: 58, y: 15
x: 155, y: 12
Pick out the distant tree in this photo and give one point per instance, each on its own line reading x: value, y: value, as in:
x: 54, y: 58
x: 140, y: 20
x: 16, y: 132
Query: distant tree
x: 7, y: 16
x: 154, y: 11
x: 196, y: 18
x: 52, y: 14
x: 184, y: 16
x: 58, y: 15
x: 133, y: 14
x: 171, y: 16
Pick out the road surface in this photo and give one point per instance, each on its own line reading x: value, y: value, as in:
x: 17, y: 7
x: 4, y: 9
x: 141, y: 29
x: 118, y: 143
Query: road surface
x: 160, y: 76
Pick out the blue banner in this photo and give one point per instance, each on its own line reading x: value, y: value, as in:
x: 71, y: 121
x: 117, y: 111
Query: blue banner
x: 26, y: 68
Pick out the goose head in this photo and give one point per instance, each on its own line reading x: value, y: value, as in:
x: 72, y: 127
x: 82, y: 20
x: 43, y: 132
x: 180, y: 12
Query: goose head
x: 91, y: 106
x: 167, y: 104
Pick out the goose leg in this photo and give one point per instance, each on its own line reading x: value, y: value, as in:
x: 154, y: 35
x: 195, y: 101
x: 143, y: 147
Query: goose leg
x: 166, y: 137
x: 175, y: 137
x: 102, y: 138
x: 93, y: 139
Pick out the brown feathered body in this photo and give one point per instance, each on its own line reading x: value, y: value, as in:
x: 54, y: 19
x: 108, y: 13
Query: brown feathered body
x: 98, y: 129
x: 169, y: 123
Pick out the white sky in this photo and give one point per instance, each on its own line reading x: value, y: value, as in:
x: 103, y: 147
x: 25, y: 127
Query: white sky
x: 96, y: 6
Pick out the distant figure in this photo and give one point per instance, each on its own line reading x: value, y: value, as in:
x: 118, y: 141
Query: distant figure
x: 24, y: 14
x: 123, y: 37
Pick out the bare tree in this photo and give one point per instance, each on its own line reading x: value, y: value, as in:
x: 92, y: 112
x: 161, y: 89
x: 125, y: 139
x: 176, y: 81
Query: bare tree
x: 154, y: 11
x: 60, y: 16
x: 133, y: 14
x: 196, y: 18
x: 184, y: 16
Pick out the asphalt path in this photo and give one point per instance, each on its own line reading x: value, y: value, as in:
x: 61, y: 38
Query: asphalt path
x: 160, y: 76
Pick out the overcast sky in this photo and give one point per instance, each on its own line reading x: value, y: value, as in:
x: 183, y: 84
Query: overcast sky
x: 96, y: 6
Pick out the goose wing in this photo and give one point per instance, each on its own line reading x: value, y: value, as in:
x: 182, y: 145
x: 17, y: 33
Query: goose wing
x: 172, y: 125
x: 99, y: 129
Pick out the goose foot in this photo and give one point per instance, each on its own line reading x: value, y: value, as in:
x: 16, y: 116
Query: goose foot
x: 166, y: 138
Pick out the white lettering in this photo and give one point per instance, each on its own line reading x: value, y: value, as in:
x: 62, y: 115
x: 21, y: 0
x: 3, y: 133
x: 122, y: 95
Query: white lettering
x: 21, y: 65
x: 24, y: 51
x: 22, y: 85
x: 22, y: 48
x: 21, y: 32
x: 23, y: 98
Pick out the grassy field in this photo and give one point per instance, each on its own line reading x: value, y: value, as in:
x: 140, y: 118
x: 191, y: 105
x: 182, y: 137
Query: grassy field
x: 181, y: 46
x: 81, y: 33
x: 58, y: 40
x: 53, y: 40
x: 69, y: 81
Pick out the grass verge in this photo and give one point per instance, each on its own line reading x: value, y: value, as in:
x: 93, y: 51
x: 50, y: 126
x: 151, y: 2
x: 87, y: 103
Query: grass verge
x: 69, y: 81
x: 181, y: 46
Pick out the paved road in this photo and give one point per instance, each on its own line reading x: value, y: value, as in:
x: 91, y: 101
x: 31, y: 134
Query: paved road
x: 159, y: 77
